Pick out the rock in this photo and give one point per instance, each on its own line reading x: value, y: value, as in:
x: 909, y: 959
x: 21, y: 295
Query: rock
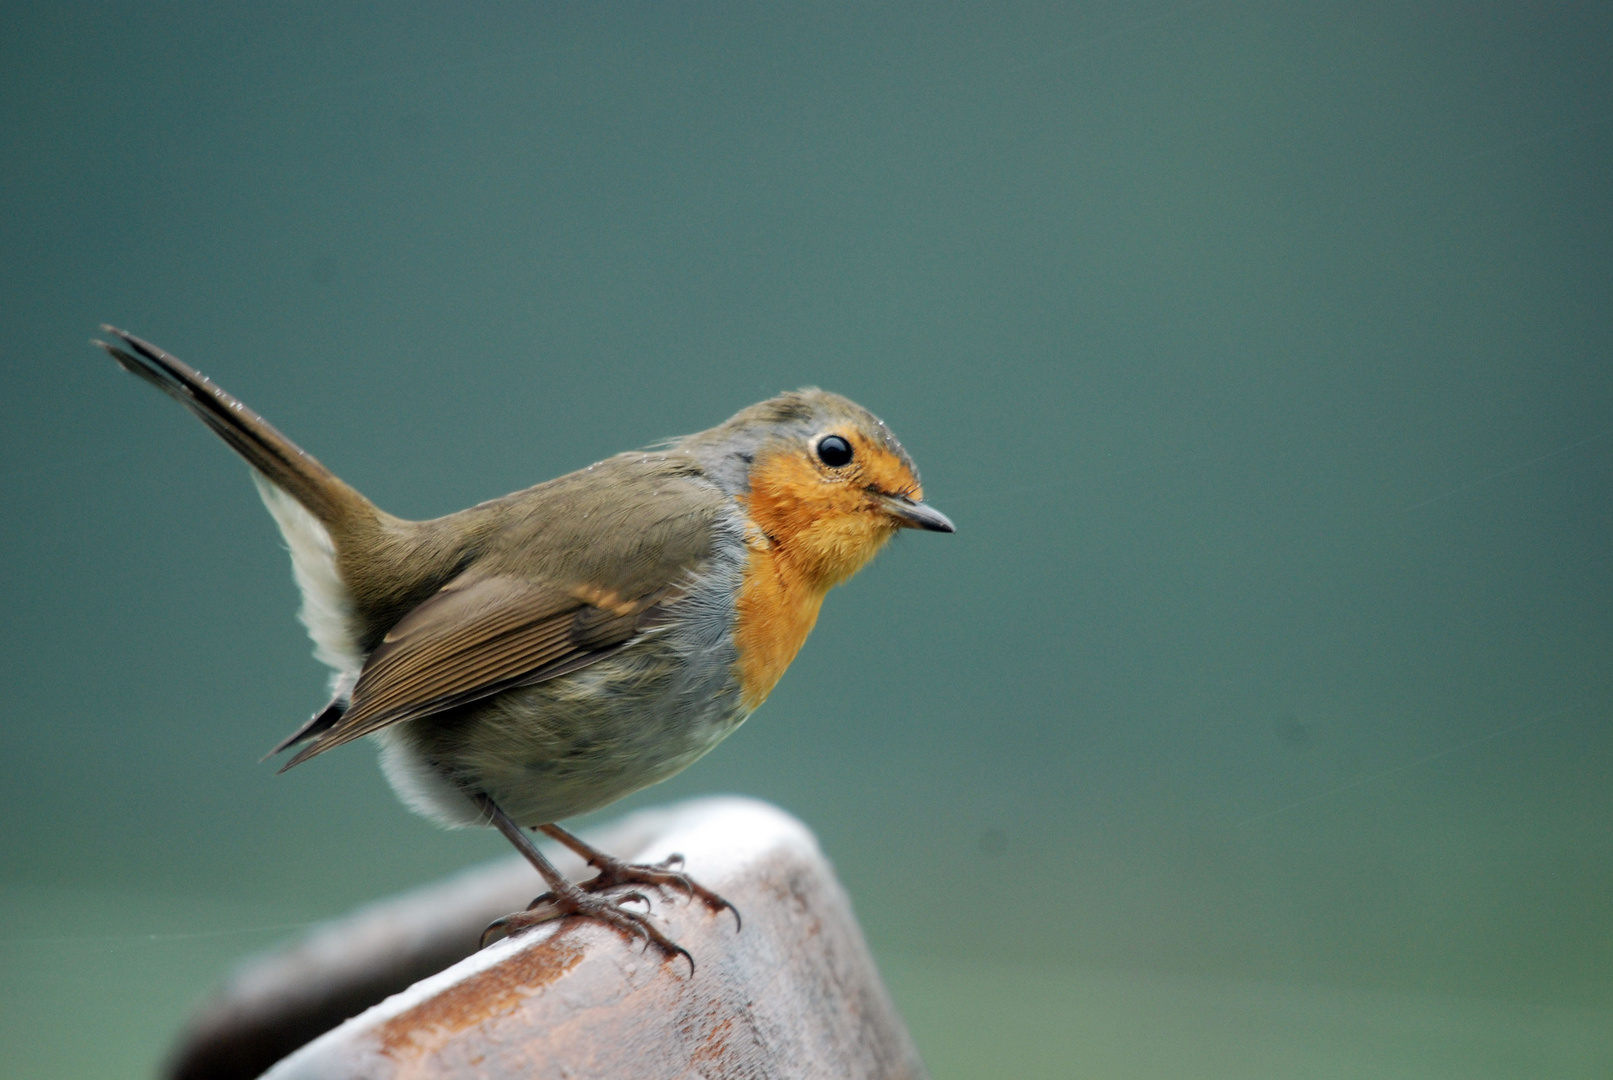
x: 793, y: 994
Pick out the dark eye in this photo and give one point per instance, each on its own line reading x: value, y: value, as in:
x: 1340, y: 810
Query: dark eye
x: 834, y: 451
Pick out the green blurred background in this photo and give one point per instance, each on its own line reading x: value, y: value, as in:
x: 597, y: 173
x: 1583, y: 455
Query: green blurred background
x: 1254, y: 724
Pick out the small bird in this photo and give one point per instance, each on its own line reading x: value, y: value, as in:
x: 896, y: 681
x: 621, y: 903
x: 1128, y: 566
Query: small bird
x: 546, y: 653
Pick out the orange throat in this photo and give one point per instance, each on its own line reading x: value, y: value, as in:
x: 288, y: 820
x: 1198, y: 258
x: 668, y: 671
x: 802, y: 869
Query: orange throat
x: 774, y: 613
x: 802, y: 542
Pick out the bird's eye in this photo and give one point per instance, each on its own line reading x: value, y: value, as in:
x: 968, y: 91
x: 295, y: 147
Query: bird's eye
x: 834, y: 451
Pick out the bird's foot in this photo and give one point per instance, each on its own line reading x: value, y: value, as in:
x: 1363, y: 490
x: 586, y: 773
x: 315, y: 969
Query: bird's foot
x: 614, y: 873
x: 574, y: 901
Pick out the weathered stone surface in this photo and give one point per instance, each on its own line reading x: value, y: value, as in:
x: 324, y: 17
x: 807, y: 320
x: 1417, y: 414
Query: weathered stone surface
x: 279, y: 1001
x: 794, y: 994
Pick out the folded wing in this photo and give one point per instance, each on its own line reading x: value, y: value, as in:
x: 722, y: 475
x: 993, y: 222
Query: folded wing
x: 475, y: 638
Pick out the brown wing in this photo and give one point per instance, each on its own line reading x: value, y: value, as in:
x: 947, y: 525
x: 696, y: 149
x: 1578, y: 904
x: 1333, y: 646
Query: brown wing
x: 473, y: 639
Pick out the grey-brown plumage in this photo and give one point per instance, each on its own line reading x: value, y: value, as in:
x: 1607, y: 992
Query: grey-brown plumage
x: 501, y: 597
x: 543, y: 654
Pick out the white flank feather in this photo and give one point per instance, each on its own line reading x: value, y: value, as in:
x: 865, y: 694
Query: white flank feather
x: 421, y: 787
x: 327, y: 608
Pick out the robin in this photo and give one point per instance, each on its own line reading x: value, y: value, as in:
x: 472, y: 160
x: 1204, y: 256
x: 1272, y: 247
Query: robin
x: 544, y: 654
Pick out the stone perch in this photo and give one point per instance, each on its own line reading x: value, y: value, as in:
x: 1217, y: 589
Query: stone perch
x: 793, y: 994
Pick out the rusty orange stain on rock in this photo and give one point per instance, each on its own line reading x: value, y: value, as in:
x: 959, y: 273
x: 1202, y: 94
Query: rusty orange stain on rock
x: 713, y: 1055
x: 494, y: 992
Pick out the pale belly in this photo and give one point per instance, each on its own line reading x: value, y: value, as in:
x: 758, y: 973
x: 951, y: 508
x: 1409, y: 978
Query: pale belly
x: 573, y: 744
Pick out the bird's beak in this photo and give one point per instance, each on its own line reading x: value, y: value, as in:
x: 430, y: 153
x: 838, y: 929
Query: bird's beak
x: 916, y: 515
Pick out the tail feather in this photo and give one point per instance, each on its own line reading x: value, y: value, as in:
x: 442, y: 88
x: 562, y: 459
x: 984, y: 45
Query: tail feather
x: 313, y: 507
x: 316, y: 725
x: 282, y: 462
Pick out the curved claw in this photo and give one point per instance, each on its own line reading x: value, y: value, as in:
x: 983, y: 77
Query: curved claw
x: 638, y: 926
x: 612, y: 874
x: 680, y: 882
x: 608, y: 910
x: 496, y: 930
x: 517, y: 921
x: 492, y: 928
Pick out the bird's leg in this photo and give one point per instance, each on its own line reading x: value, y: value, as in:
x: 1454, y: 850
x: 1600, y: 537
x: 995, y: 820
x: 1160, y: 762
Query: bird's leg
x: 565, y: 898
x: 614, y: 872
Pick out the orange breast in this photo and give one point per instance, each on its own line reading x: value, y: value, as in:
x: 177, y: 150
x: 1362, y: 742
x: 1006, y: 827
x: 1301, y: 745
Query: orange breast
x: 773, y: 615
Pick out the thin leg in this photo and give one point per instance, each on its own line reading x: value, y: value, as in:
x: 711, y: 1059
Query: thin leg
x: 613, y: 872
x: 565, y: 898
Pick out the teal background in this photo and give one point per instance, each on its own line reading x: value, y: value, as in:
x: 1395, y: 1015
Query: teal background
x: 1256, y: 721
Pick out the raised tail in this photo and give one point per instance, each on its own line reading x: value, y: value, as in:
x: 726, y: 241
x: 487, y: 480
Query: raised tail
x: 282, y: 462
x: 318, y: 514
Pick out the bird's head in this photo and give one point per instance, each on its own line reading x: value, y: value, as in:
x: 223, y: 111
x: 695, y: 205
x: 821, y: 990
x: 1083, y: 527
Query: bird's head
x: 822, y: 478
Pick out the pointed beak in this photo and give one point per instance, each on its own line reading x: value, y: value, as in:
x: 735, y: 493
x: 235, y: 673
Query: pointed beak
x: 916, y: 515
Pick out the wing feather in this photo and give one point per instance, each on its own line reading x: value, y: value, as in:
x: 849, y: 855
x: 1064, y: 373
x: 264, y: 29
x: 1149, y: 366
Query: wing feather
x: 474, y: 639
